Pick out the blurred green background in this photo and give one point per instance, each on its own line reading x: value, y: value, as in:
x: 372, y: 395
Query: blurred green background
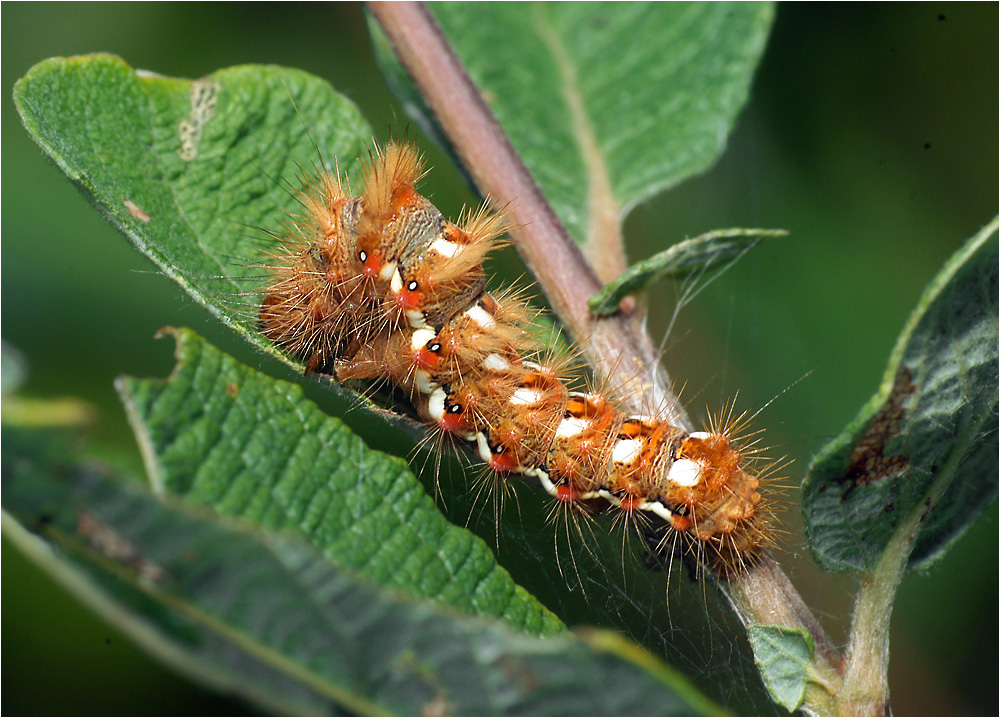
x: 871, y: 135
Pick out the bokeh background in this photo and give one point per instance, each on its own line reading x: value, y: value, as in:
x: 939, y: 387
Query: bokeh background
x: 871, y: 135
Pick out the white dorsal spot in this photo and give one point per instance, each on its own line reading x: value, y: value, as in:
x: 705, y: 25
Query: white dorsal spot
x: 495, y: 362
x: 699, y: 435
x: 626, y: 451
x: 526, y: 397
x: 571, y: 426
x: 446, y: 248
x: 684, y: 472
x: 480, y: 316
x: 390, y: 272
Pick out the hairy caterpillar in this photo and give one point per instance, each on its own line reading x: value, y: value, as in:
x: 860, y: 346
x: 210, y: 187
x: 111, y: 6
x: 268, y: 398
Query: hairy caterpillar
x: 381, y: 286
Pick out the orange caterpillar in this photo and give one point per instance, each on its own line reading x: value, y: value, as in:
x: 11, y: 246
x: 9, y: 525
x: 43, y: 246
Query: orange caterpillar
x: 382, y: 286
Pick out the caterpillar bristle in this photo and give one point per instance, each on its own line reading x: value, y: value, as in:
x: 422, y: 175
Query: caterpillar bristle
x: 381, y: 288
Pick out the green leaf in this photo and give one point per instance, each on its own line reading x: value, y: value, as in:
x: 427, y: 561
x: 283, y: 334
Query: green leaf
x: 590, y: 574
x: 692, y: 256
x: 220, y: 434
x: 927, y: 441
x: 188, y: 169
x: 606, y: 103
x: 263, y: 613
x: 784, y: 657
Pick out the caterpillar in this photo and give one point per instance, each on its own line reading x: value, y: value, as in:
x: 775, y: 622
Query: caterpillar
x: 380, y: 286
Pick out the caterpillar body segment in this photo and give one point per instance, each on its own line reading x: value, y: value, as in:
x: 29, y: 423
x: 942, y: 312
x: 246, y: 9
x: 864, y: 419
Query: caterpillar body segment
x: 381, y: 286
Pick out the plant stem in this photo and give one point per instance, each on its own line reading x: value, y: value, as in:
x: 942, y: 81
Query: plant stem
x: 618, y: 346
x: 866, y: 683
x: 764, y: 595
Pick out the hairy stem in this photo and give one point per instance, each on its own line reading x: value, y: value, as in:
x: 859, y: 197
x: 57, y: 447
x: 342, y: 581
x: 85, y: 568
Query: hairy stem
x: 618, y: 346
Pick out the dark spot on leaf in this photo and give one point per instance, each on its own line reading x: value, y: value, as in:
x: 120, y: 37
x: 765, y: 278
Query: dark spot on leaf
x: 889, y: 507
x: 232, y: 390
x: 116, y: 547
x: 868, y: 461
x: 942, y: 17
x: 930, y: 508
x: 927, y: 145
x: 518, y: 672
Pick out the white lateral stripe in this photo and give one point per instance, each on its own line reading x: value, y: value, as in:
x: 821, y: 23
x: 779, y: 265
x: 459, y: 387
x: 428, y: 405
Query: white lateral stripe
x: 659, y: 509
x: 546, y: 482
x: 525, y: 397
x: 416, y: 319
x: 421, y: 337
x: 480, y: 316
x: 571, y: 427
x: 485, y: 454
x: 395, y: 280
x: 699, y: 435
x: 495, y: 362
x: 423, y: 383
x: 435, y: 404
x: 684, y: 472
x: 446, y: 248
x: 626, y: 450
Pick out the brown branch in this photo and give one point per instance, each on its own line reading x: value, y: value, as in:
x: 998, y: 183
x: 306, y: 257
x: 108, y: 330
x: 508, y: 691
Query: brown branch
x: 619, y: 346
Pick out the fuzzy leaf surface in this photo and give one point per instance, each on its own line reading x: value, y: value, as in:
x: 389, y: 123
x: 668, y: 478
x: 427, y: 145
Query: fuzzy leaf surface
x: 784, y: 657
x: 220, y: 434
x: 629, y: 99
x: 691, y: 256
x: 265, y: 614
x: 188, y: 170
x: 265, y: 140
x: 146, y: 568
x: 927, y: 441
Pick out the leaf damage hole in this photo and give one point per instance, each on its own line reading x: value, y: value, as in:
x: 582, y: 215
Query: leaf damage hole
x: 204, y: 95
